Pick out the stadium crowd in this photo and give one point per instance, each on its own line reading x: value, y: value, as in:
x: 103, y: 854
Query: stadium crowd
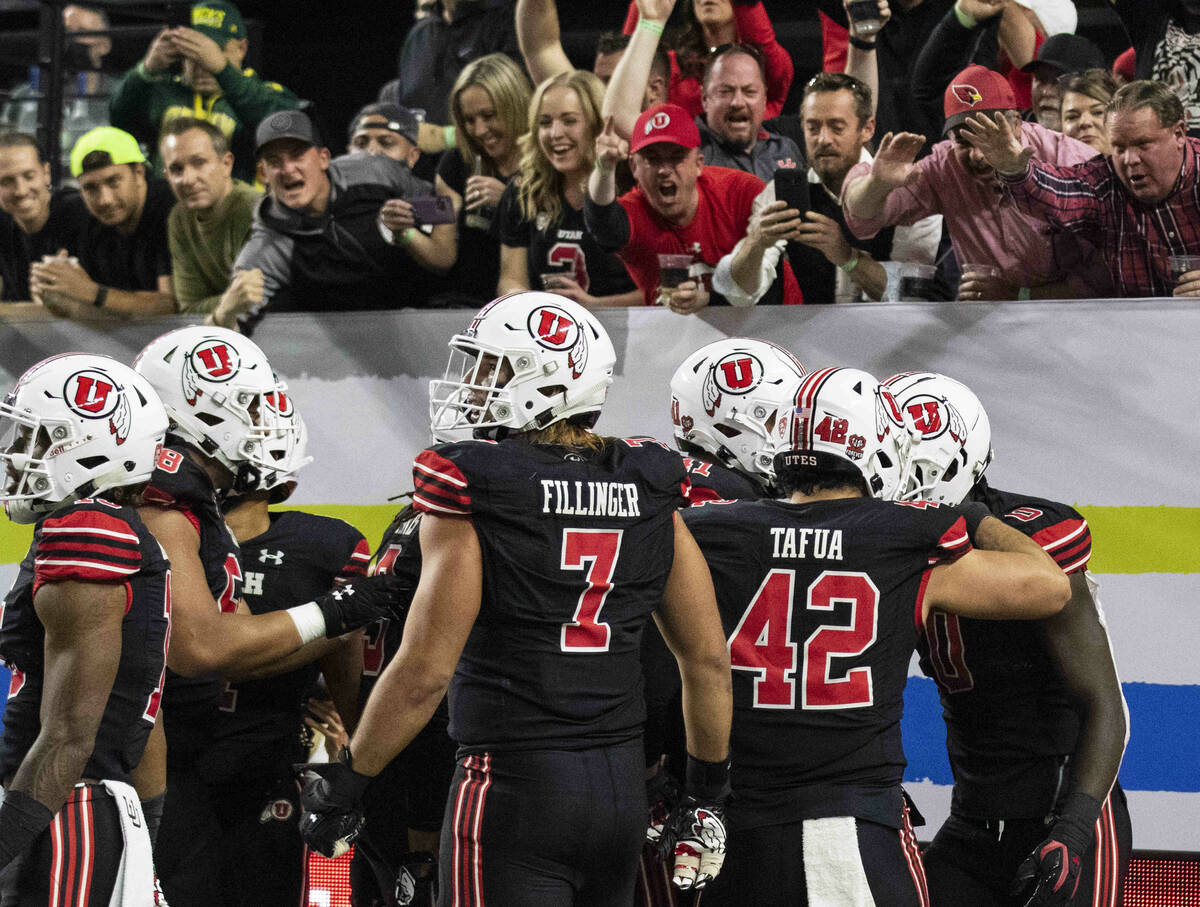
x: 950, y: 150
x: 490, y: 164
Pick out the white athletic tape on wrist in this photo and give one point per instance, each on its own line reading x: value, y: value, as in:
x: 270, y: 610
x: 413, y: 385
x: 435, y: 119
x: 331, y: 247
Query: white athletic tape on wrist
x: 309, y: 621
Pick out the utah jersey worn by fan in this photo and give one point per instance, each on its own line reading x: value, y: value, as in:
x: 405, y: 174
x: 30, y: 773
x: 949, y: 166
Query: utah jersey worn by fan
x: 603, y: 516
x: 817, y: 732
x: 92, y: 541
x: 1009, y: 718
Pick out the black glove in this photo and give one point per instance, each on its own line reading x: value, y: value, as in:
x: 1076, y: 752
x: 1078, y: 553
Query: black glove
x: 331, y: 805
x: 693, y: 839
x: 1050, y: 875
x: 662, y: 796
x: 416, y: 883
x: 363, y: 602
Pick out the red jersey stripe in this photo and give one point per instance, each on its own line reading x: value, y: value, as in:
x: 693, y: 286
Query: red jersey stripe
x: 425, y: 505
x: 90, y: 521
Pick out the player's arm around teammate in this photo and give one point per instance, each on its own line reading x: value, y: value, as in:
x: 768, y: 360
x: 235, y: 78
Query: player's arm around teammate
x: 1006, y: 576
x: 202, y: 638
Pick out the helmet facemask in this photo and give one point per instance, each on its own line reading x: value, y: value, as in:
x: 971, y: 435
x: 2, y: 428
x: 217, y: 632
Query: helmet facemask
x: 525, y: 362
x: 75, y: 426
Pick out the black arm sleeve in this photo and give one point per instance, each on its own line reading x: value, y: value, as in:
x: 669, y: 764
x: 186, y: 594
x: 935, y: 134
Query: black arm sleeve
x: 1079, y: 644
x: 947, y: 51
x: 607, y: 224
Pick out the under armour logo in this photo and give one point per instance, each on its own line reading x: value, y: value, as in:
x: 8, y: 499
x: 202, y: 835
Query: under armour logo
x: 337, y: 594
x: 266, y: 556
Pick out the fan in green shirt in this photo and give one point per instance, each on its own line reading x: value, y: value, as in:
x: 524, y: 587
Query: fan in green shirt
x: 212, y: 220
x: 213, y: 85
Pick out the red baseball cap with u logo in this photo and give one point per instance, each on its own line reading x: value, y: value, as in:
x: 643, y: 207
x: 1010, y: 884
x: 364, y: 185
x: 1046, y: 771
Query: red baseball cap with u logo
x: 976, y: 89
x: 664, y: 123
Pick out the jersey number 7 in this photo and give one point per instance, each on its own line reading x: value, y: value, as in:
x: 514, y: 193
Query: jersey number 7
x: 762, y: 642
x: 596, y: 552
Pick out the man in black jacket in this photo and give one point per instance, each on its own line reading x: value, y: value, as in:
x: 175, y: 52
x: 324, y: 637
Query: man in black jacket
x: 334, y: 234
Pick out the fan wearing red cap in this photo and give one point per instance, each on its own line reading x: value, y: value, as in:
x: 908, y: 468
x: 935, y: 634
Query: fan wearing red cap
x: 678, y: 207
x: 986, y: 226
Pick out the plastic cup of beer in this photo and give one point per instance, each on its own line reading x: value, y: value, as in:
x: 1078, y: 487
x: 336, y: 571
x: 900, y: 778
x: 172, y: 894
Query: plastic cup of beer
x: 1182, y: 264
x: 672, y: 271
x: 972, y: 271
x: 917, y: 283
x: 864, y: 18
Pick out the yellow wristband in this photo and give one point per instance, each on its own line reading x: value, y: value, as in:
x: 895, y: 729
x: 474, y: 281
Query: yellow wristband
x: 650, y: 26
x: 449, y: 134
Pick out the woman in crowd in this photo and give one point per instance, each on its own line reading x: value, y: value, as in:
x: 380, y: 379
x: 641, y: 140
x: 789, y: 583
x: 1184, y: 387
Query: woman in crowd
x: 709, y: 24
x: 488, y: 106
x: 1085, y: 98
x: 543, y: 242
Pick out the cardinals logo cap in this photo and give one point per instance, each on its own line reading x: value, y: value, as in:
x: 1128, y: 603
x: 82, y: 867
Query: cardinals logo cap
x: 976, y: 90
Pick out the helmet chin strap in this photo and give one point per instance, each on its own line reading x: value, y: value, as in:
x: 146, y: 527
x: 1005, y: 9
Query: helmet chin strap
x: 245, y: 478
x: 31, y: 510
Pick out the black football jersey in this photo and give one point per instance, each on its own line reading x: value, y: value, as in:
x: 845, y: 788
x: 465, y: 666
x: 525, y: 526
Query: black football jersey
x: 399, y: 553
x: 1009, y: 721
x: 821, y: 605
x: 577, y: 546
x: 91, y: 541
x: 714, y: 482
x: 180, y: 484
x: 298, y: 558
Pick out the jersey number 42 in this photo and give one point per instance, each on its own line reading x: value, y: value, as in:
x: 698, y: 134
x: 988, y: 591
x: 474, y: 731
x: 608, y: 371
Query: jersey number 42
x: 762, y: 642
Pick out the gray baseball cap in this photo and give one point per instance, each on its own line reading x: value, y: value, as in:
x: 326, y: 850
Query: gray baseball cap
x: 287, y: 124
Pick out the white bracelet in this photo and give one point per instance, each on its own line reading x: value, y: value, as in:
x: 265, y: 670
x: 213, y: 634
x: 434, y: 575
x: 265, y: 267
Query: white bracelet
x: 309, y: 621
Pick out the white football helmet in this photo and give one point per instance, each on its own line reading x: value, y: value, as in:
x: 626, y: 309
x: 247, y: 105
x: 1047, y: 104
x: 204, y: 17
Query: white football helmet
x: 525, y: 361
x: 953, y: 439
x: 839, y: 418
x: 727, y: 397
x: 74, y: 426
x: 222, y: 396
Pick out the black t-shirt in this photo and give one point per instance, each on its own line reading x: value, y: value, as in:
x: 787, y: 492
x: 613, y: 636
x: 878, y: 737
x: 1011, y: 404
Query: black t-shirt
x: 821, y: 603
x: 18, y: 249
x: 136, y: 260
x: 477, y: 270
x: 898, y: 46
x: 564, y: 247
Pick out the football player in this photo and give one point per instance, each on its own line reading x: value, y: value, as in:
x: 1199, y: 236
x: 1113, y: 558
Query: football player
x: 545, y: 548
x: 1036, y: 721
x: 394, y: 862
x: 288, y: 557
x: 725, y: 400
x: 85, y: 631
x: 822, y: 598
x: 230, y: 432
